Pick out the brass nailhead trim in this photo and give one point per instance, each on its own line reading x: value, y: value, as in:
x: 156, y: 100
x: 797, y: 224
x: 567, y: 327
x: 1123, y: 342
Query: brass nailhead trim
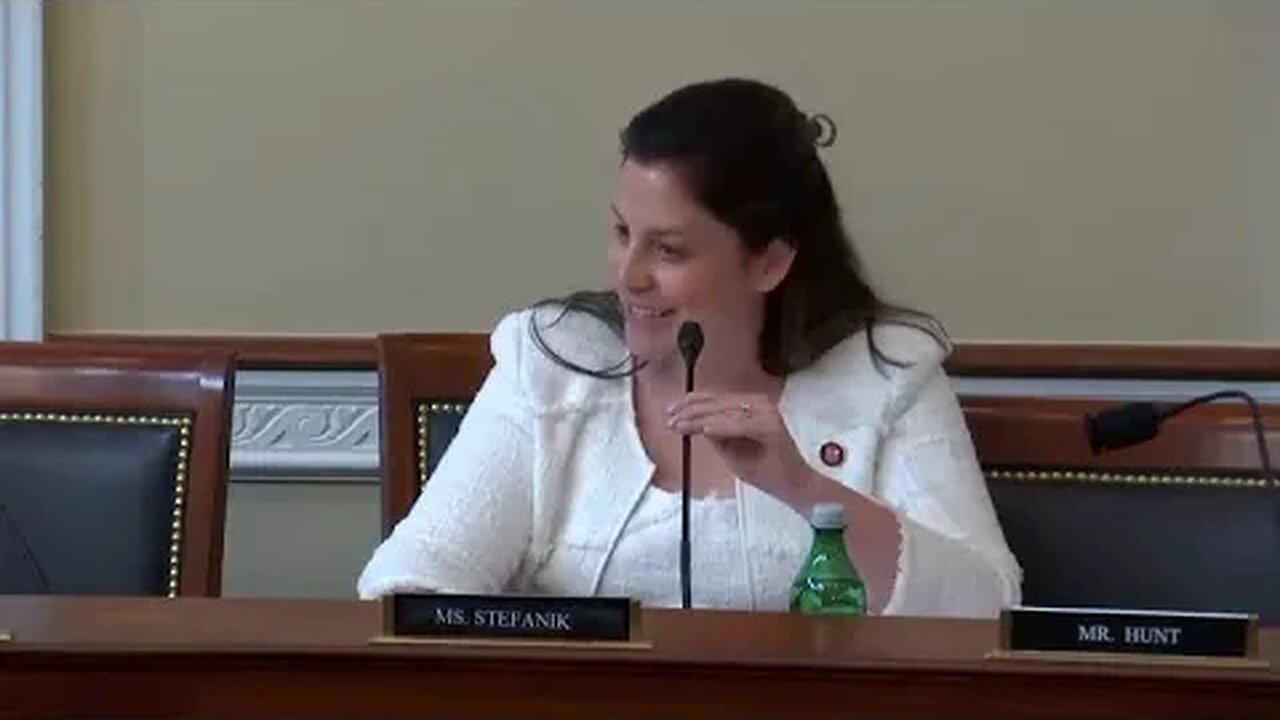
x: 425, y: 411
x: 183, y: 423
x: 1109, y: 478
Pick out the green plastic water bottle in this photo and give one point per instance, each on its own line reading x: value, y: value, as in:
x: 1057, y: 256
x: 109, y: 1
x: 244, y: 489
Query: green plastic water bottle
x: 827, y: 583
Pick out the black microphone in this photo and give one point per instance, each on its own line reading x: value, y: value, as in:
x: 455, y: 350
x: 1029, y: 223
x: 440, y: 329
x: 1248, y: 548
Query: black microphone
x: 690, y: 341
x: 1134, y: 423
x: 15, y: 533
x: 1122, y: 426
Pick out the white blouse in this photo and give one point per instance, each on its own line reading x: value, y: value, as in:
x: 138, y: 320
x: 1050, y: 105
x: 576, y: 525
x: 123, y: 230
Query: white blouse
x: 547, y: 472
x: 645, y: 563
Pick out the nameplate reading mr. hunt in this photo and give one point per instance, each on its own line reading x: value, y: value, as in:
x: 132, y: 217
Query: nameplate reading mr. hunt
x: 509, y: 617
x: 1129, y: 632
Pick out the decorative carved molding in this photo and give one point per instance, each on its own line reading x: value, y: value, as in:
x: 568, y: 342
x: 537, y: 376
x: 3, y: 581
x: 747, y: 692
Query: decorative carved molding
x: 305, y: 424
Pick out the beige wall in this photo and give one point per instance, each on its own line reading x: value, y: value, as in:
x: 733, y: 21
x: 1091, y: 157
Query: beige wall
x: 1266, y: 56
x: 1026, y: 170
x: 298, y: 538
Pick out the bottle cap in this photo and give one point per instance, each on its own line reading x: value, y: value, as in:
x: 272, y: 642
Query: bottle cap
x: 827, y: 516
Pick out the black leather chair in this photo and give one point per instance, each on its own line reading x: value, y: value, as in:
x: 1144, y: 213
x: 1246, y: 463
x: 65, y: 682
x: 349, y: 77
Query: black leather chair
x: 1185, y: 522
x: 112, y: 469
x: 426, y: 381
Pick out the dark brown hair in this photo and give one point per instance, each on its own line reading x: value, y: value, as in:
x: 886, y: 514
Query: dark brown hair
x: 750, y: 157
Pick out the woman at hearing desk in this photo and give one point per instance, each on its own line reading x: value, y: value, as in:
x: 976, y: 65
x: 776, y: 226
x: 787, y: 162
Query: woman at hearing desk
x: 564, y: 476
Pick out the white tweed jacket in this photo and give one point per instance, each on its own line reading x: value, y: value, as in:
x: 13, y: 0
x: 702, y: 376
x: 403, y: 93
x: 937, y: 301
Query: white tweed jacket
x: 537, y: 486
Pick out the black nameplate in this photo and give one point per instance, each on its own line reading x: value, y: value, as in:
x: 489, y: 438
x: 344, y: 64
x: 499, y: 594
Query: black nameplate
x: 1129, y: 632
x: 513, y: 617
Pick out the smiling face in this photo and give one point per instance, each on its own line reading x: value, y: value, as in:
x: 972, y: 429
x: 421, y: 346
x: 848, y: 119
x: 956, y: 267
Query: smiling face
x: 672, y: 260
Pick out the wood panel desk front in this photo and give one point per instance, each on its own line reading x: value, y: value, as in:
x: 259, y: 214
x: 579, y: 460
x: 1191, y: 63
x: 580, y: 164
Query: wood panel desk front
x: 104, y: 657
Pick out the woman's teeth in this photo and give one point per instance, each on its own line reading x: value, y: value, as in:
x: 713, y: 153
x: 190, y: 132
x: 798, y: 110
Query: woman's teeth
x: 646, y: 312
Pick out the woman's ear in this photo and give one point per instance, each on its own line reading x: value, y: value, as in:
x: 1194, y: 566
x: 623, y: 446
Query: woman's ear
x: 770, y: 266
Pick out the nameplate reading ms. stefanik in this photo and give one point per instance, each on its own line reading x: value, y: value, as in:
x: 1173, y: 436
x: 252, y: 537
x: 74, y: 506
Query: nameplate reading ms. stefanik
x: 1133, y: 635
x: 510, y: 618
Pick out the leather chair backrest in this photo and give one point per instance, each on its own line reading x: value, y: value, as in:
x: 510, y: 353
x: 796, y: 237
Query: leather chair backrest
x: 425, y: 384
x: 113, y: 464
x: 437, y: 422
x: 96, y: 499
x: 1184, y: 522
x: 1149, y: 541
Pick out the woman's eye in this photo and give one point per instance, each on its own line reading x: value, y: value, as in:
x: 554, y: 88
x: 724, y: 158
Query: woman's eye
x: 620, y: 231
x: 670, y: 252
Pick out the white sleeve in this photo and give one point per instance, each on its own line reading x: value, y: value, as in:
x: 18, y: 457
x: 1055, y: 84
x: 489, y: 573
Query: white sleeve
x: 954, y: 560
x: 470, y: 527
